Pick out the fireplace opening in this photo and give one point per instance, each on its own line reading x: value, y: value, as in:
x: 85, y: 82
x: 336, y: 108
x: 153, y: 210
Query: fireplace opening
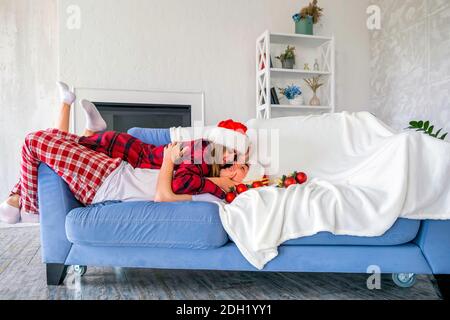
x: 123, y: 116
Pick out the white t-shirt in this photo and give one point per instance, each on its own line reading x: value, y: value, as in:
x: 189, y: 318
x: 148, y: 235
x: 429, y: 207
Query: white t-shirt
x: 129, y: 184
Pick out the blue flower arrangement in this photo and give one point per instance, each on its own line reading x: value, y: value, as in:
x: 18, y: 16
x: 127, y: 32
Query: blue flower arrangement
x: 291, y: 92
x: 296, y: 17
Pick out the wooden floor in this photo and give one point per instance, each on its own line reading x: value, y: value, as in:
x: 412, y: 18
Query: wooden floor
x: 22, y: 276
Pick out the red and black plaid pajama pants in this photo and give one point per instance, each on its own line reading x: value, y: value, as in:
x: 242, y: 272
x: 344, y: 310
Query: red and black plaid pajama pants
x: 130, y: 149
x: 83, y: 169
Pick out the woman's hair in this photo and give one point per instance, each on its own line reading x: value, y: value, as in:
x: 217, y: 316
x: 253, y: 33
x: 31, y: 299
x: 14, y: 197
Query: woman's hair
x: 215, y: 158
x: 215, y: 171
x: 217, y: 151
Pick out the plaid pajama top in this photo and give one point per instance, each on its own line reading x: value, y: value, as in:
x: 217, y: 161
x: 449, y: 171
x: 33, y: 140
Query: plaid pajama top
x: 190, y: 176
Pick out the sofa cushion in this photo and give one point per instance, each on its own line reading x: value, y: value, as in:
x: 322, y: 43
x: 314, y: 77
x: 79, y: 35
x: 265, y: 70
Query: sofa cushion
x: 403, y: 231
x: 188, y: 225
x: 157, y: 137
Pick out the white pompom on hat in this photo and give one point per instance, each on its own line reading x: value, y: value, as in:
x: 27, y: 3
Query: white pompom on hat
x: 230, y: 134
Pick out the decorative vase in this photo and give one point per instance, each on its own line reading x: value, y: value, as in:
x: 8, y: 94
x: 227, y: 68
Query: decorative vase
x: 288, y: 63
x: 297, y: 101
x: 305, y: 26
x: 316, y: 65
x: 315, y: 101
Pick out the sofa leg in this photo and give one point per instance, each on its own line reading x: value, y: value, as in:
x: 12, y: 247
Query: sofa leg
x: 443, y: 282
x: 56, y: 273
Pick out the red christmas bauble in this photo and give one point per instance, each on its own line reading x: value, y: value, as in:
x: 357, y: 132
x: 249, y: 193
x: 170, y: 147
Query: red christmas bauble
x: 301, y: 177
x: 241, y: 188
x: 257, y: 184
x: 289, y: 182
x: 230, y: 196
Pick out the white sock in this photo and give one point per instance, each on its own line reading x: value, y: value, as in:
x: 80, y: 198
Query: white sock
x: 65, y: 94
x: 94, y: 119
x: 9, y: 214
x: 26, y: 217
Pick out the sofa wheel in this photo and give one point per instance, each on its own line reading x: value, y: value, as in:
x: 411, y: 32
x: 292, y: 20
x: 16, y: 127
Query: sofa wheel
x: 80, y: 270
x: 404, y: 280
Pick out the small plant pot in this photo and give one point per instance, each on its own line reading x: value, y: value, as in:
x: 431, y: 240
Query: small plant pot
x: 288, y: 64
x: 305, y: 26
x: 298, y: 101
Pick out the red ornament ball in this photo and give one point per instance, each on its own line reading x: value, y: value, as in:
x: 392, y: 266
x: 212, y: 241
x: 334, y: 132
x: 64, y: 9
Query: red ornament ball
x: 257, y: 184
x: 301, y: 177
x: 289, y: 182
x: 241, y: 188
x: 230, y: 196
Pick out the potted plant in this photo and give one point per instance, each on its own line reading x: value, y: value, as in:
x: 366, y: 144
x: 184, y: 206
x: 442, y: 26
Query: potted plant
x: 293, y: 93
x: 307, y: 18
x: 314, y: 84
x: 287, y: 58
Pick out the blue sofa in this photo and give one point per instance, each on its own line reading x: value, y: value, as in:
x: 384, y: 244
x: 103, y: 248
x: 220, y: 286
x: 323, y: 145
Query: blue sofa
x: 190, y: 236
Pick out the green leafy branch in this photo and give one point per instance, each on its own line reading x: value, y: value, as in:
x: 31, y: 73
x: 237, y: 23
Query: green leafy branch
x: 427, y: 128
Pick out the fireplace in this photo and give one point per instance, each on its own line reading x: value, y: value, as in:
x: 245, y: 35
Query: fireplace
x: 123, y: 116
x: 124, y: 109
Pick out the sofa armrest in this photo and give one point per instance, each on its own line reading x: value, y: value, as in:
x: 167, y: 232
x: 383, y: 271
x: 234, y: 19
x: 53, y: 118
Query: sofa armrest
x: 55, y: 202
x: 434, y: 241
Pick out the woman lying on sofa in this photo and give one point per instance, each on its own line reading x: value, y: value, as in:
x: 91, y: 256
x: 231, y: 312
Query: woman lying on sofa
x: 116, y: 166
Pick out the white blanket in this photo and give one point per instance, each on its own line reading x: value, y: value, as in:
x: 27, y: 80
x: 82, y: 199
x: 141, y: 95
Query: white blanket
x: 363, y: 177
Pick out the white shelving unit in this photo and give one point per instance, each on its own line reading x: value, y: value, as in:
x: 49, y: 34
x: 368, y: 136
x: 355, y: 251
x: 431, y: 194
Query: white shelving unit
x: 308, y: 48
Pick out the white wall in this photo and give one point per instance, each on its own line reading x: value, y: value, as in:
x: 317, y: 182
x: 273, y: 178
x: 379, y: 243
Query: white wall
x: 28, y: 71
x: 196, y: 45
x: 410, y: 75
x: 202, y: 45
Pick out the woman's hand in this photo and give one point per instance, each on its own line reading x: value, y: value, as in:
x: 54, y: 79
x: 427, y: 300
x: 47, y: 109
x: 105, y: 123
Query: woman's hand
x: 173, y: 153
x: 224, y: 183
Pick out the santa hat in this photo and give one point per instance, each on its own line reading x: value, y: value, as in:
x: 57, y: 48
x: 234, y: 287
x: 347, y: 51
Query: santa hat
x: 230, y: 134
